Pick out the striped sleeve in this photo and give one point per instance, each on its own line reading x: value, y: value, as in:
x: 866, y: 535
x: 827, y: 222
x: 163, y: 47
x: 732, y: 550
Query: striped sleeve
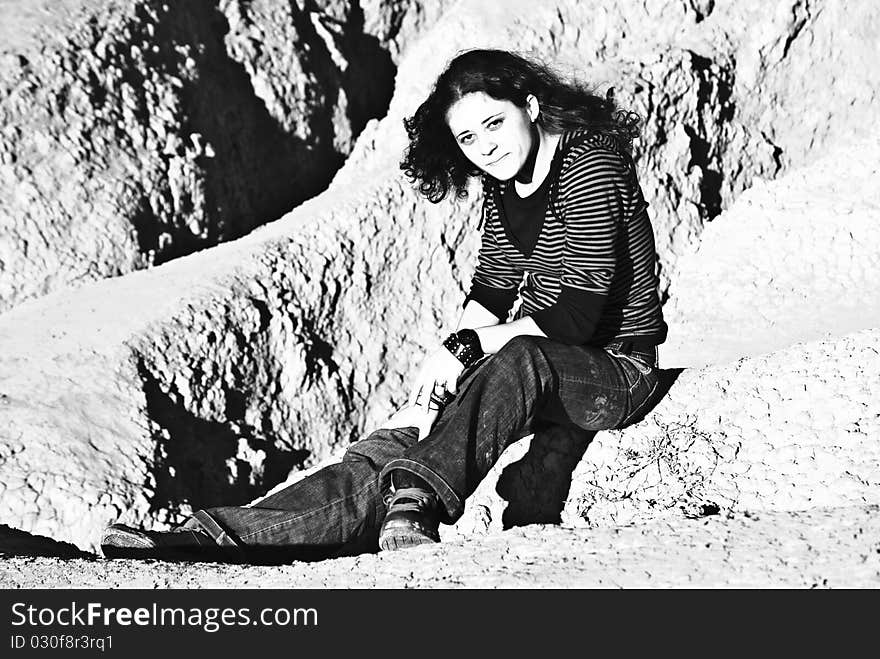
x: 592, y: 193
x: 495, y: 283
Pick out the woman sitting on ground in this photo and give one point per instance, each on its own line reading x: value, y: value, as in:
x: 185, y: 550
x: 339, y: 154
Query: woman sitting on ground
x: 565, y: 230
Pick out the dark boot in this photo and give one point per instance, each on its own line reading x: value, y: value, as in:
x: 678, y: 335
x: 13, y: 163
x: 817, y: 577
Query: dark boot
x: 412, y: 519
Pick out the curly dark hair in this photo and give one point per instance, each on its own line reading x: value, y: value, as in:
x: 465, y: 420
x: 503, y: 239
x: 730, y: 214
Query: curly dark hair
x: 434, y: 162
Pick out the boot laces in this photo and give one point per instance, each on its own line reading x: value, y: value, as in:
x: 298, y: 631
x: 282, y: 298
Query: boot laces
x: 412, y: 500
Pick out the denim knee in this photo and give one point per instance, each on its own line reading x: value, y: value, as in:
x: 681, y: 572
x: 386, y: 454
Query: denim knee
x: 381, y: 446
x: 520, y: 350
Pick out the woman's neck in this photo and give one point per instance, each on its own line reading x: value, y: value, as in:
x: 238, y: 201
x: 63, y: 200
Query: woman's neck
x: 537, y: 166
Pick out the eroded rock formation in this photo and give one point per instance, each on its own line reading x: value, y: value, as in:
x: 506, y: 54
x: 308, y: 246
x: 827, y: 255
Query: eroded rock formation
x: 136, y: 131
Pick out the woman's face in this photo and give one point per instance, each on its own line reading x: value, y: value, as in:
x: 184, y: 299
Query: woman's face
x: 497, y: 136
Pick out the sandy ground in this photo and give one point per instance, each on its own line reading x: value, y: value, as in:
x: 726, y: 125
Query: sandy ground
x: 822, y: 548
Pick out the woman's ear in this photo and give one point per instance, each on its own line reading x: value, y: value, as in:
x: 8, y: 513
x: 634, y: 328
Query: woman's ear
x: 532, y: 107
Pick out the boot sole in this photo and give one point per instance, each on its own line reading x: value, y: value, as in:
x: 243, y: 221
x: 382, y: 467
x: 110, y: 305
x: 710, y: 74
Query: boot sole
x: 395, y: 542
x: 403, y: 536
x: 175, y: 554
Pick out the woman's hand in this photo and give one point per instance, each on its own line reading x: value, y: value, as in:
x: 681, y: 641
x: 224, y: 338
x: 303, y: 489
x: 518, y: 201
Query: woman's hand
x: 408, y: 416
x: 437, y: 378
x: 413, y: 416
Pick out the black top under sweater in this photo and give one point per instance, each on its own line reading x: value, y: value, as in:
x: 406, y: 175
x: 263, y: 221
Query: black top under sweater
x: 523, y: 217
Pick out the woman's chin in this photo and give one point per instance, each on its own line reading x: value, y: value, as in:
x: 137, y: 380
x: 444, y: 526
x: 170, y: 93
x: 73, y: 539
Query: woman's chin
x: 501, y: 173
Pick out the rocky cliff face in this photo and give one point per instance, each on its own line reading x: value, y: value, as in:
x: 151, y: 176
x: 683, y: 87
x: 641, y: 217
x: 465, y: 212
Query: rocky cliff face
x: 207, y: 379
x: 137, y: 131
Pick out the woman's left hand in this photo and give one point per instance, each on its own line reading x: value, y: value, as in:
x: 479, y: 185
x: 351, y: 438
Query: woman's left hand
x: 438, y: 375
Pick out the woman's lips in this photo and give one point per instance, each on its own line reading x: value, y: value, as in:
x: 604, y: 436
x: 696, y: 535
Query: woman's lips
x: 497, y: 160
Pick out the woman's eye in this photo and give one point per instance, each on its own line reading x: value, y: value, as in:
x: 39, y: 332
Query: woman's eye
x: 495, y: 123
x: 467, y: 139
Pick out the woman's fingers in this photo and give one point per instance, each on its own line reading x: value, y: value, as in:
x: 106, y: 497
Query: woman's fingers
x: 423, y: 395
x: 413, y: 417
x: 416, y: 394
x: 436, y: 381
x: 406, y: 417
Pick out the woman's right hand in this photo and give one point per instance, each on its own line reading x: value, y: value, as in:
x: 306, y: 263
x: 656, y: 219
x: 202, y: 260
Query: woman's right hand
x: 408, y: 416
x: 437, y: 378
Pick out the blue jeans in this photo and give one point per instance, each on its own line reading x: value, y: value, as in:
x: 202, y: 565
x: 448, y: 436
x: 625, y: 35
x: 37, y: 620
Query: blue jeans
x: 338, y: 510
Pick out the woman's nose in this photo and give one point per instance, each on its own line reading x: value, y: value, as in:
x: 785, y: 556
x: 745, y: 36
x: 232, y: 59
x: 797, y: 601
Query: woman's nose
x: 488, y: 146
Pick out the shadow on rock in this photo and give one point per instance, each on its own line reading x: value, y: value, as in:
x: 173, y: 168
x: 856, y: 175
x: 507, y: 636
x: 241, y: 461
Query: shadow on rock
x: 202, y: 462
x: 14, y: 542
x: 536, y: 486
x: 257, y: 169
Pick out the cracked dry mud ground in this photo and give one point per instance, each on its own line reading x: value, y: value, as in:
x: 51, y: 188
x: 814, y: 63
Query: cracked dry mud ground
x: 820, y: 548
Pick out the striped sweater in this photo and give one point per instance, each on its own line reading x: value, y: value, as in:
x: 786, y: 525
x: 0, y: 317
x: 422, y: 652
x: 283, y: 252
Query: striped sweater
x: 592, y: 275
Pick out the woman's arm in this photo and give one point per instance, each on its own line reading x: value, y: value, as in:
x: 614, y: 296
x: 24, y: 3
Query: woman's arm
x: 492, y: 332
x: 475, y: 315
x: 493, y: 338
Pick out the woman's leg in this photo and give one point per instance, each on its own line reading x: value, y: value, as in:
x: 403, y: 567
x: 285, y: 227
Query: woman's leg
x: 530, y: 378
x: 337, y: 510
